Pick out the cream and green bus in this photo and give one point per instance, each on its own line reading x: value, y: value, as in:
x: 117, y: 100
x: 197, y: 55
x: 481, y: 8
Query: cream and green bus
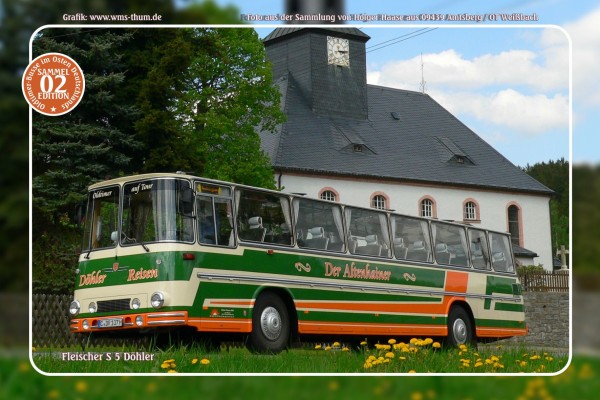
x: 174, y: 250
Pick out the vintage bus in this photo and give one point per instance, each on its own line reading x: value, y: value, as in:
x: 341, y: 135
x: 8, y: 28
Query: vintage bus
x: 172, y: 250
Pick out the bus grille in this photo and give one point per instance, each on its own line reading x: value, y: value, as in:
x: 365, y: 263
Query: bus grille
x: 114, y: 305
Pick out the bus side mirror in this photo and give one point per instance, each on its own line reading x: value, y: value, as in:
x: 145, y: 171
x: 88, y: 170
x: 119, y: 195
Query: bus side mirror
x: 187, y: 201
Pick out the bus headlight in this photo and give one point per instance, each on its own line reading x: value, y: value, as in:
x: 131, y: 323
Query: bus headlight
x: 157, y: 299
x: 93, y: 307
x: 135, y: 304
x: 74, y: 308
x: 85, y: 324
x: 139, y: 320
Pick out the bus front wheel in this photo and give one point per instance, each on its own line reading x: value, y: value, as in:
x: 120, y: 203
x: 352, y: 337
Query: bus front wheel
x: 270, y: 325
x: 460, y: 327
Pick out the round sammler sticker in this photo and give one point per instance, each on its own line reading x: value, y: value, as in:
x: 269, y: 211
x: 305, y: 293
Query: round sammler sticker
x: 53, y: 84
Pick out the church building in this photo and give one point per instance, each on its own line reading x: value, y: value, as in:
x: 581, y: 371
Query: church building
x: 372, y: 146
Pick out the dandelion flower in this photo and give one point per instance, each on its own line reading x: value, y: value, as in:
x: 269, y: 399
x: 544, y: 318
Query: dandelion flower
x: 523, y: 363
x: 171, y: 371
x: 412, y: 371
x: 327, y: 348
x: 392, y: 341
x: 318, y: 347
x: 205, y: 361
x: 81, y: 386
x: 436, y: 345
x: 414, y: 340
x: 194, y: 361
x: 389, y: 354
x: 536, y: 357
x: 345, y: 348
x: 336, y: 344
x: 428, y: 341
x: 165, y: 365
x: 169, y: 361
x: 478, y: 364
x: 363, y: 343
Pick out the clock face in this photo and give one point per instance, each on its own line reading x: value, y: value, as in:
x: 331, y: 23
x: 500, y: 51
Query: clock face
x: 338, y: 51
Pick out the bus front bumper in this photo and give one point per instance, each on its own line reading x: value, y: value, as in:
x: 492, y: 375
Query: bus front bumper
x: 129, y: 321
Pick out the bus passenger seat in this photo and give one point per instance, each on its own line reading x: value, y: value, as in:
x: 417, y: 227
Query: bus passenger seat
x: 256, y: 232
x: 442, y: 255
x: 318, y: 239
x: 372, y: 248
x: 400, y: 250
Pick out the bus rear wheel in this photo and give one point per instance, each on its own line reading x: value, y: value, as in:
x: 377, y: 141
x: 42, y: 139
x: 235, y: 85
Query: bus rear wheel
x: 270, y: 325
x: 460, y: 327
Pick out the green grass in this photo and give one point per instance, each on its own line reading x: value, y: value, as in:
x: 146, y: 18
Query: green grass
x: 417, y: 357
x: 18, y: 380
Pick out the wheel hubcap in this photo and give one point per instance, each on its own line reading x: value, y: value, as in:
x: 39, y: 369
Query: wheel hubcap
x: 270, y: 323
x: 459, y: 330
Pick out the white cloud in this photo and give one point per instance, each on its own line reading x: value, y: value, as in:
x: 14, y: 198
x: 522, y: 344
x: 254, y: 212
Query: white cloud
x: 585, y: 36
x: 509, y: 108
x: 522, y: 90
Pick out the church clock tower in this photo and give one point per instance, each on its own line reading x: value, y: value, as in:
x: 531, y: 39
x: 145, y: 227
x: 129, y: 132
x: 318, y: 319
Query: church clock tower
x: 327, y: 64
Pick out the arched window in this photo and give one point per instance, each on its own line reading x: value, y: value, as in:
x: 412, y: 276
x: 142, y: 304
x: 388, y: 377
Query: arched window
x: 328, y: 194
x: 514, y: 223
x: 470, y: 211
x: 427, y: 207
x: 379, y: 201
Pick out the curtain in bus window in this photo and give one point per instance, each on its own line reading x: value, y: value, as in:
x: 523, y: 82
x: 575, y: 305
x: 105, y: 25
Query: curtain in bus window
x: 385, y: 235
x: 337, y: 220
x: 285, y: 235
x: 163, y: 199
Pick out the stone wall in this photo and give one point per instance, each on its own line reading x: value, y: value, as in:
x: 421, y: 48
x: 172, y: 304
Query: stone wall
x: 547, y: 316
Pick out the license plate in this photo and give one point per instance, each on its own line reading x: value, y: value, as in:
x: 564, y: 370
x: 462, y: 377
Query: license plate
x: 110, y: 322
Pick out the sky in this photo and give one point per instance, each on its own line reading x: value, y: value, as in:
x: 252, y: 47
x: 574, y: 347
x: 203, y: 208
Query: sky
x: 507, y: 81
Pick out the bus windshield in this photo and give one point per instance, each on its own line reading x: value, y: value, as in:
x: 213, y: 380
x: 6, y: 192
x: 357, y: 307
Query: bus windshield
x: 157, y: 210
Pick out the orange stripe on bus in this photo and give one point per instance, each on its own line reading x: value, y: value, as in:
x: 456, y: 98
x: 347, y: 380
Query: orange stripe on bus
x: 231, y: 303
x: 456, y: 282
x: 221, y: 324
x: 371, y: 328
x: 500, y: 332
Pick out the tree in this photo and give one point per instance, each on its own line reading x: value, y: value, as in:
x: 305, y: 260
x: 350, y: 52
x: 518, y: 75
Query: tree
x: 555, y: 175
x: 84, y: 145
x: 229, y: 93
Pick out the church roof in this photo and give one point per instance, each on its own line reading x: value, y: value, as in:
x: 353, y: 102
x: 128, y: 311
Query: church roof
x: 408, y: 136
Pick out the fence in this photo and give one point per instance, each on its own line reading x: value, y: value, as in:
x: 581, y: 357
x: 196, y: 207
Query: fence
x: 545, y: 281
x: 50, y: 326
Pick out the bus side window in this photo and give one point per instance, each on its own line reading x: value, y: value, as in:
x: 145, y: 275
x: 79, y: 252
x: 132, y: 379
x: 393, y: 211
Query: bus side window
x: 480, y: 257
x: 410, y: 238
x: 369, y: 230
x: 319, y: 225
x: 501, y: 256
x: 450, y: 243
x: 263, y: 217
x: 215, y: 221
